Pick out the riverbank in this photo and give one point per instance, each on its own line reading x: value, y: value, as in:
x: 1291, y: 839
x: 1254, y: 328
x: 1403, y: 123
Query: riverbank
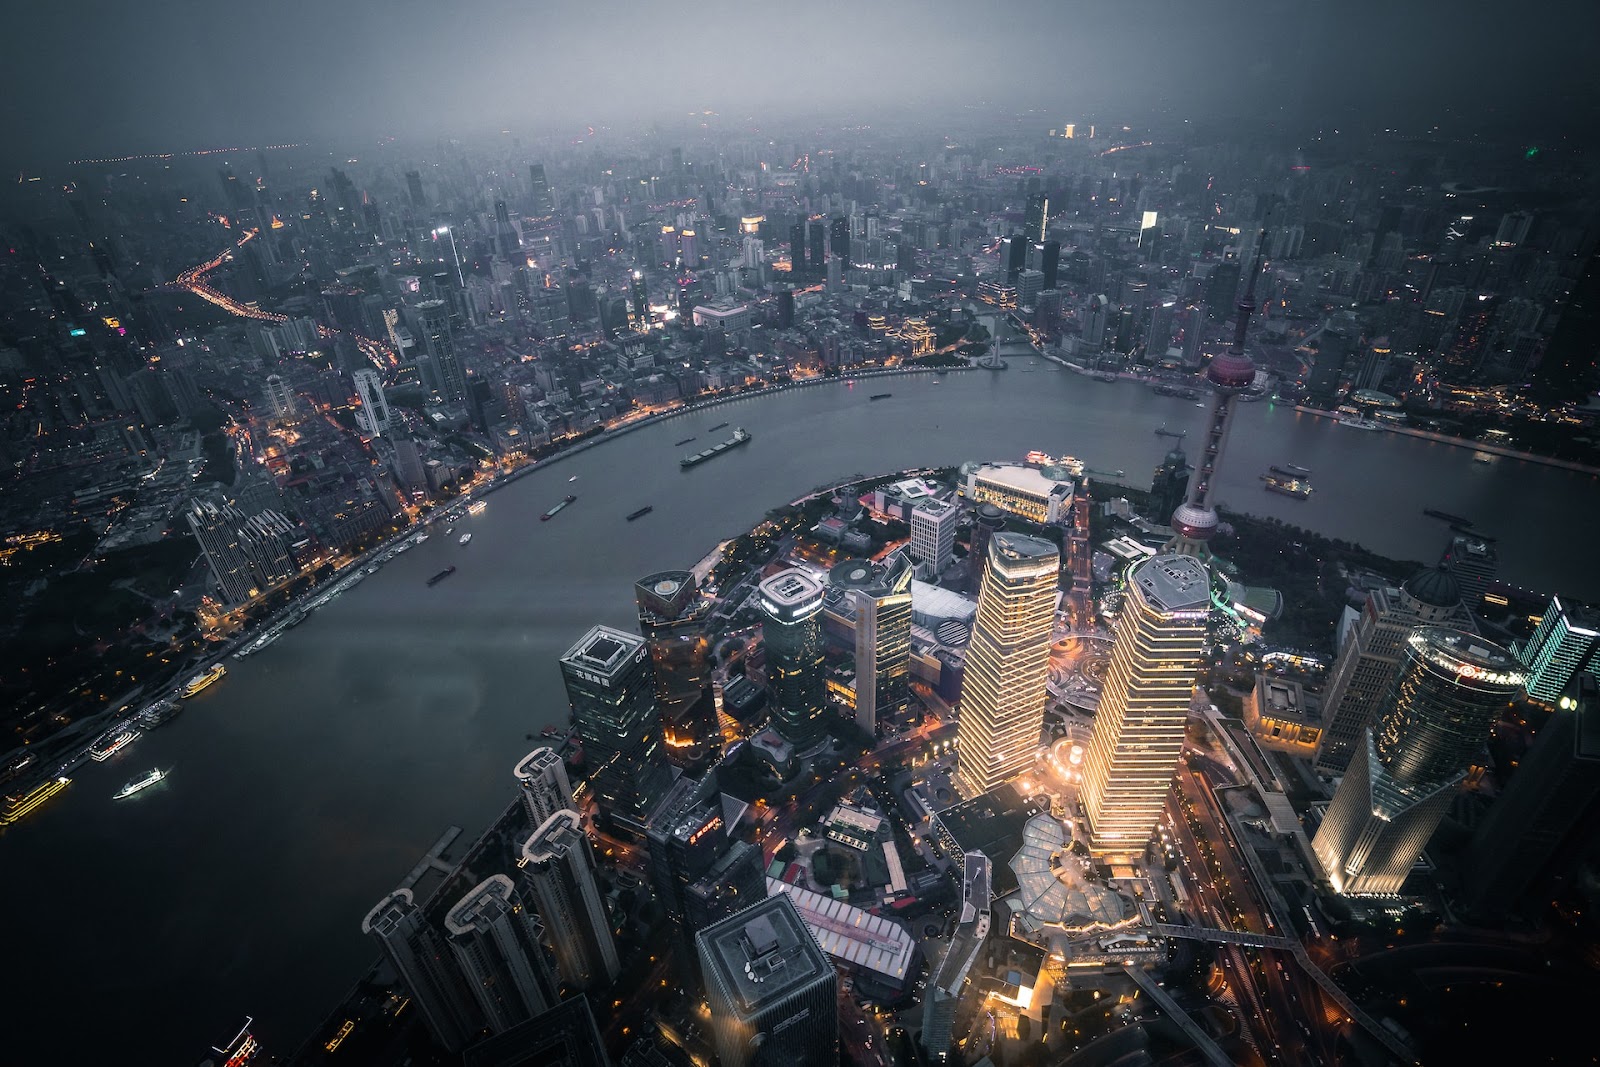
x: 1462, y: 442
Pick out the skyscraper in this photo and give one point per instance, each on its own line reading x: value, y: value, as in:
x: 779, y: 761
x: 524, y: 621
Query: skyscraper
x: 1570, y: 369
x: 373, y: 414
x: 1037, y: 220
x: 414, y: 189
x: 1003, y: 693
x: 817, y: 254
x: 791, y: 601
x: 933, y: 534
x: 700, y: 873
x: 1554, y: 792
x: 1138, y: 731
x: 1567, y: 641
x: 773, y: 993
x: 612, y: 692
x: 1398, y: 786
x: 1013, y: 256
x: 426, y: 969
x: 559, y: 867
x: 672, y: 617
x: 543, y: 785
x: 496, y: 940
x: 797, y: 249
x: 638, y: 303
x: 878, y: 598
x: 1170, y: 484
x: 438, y: 348
x: 840, y: 240
x: 244, y: 554
x: 540, y: 199
x: 1475, y: 563
x: 280, y: 398
x: 1374, y: 654
x: 1050, y: 262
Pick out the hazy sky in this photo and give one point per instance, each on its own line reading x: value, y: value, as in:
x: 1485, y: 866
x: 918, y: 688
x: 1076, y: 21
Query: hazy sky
x: 109, y: 77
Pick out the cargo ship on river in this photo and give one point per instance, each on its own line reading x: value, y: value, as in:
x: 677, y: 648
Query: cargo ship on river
x: 740, y: 436
x: 553, y: 512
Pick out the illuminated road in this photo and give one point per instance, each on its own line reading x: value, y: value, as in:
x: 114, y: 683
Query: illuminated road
x: 194, y: 280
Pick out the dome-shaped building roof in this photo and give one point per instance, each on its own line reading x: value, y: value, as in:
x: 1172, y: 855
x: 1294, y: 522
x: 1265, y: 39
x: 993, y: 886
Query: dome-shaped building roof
x: 1434, y: 586
x: 1231, y: 370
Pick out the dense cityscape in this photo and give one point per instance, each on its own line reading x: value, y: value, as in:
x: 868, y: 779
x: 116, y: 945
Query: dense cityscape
x: 773, y: 644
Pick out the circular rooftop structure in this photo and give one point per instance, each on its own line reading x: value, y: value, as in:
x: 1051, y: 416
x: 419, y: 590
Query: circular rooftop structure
x: 851, y: 574
x: 1194, y: 522
x: 1231, y: 371
x: 1435, y: 586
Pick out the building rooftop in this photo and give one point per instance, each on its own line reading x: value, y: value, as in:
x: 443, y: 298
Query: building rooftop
x: 560, y: 833
x: 1174, y: 583
x: 483, y: 904
x: 1022, y: 479
x: 763, y: 954
x: 859, y: 938
x: 534, y: 763
x: 791, y: 592
x: 603, y: 648
x: 990, y: 823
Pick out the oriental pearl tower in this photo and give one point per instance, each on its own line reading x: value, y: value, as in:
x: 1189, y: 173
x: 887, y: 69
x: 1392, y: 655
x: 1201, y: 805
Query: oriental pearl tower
x: 1230, y: 373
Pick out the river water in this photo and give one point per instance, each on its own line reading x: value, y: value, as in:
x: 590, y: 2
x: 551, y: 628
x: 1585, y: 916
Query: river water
x: 310, y: 780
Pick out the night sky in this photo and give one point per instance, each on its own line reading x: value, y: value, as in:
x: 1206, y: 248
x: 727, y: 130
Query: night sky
x: 108, y: 77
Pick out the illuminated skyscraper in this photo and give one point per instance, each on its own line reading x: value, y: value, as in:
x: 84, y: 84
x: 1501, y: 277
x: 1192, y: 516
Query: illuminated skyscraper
x: 1138, y: 731
x: 425, y: 967
x: 496, y: 940
x: 611, y: 688
x: 1373, y: 655
x: 672, y: 617
x: 772, y: 991
x: 543, y: 785
x: 1008, y: 659
x: 1566, y: 642
x: 791, y: 602
x: 280, y: 398
x: 1475, y: 563
x: 1230, y: 373
x: 559, y: 867
x: 439, y: 350
x: 638, y: 303
x: 1400, y: 783
x: 933, y: 534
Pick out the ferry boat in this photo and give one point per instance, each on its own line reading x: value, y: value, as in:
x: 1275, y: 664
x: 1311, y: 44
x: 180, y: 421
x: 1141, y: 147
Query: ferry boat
x: 1287, y: 486
x: 880, y: 396
x: 740, y: 436
x: 1356, y: 422
x: 111, y: 742
x: 465, y: 538
x: 553, y: 512
x: 573, y: 478
x: 203, y: 679
x: 142, y: 783
x: 17, y: 805
x: 441, y: 576
x: 647, y: 509
x: 477, y: 507
x: 159, y: 714
x: 718, y: 426
x: 1291, y: 470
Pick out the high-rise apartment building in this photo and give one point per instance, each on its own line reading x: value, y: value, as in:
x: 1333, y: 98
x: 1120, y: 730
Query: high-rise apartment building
x: 1566, y: 641
x: 672, y: 616
x: 791, y: 602
x: 1438, y: 716
x: 425, y: 967
x: 559, y: 868
x: 439, y: 350
x: 773, y: 993
x: 933, y: 534
x: 496, y: 937
x: 245, y: 555
x: 1008, y: 660
x: 1373, y: 655
x: 1554, y: 792
x: 543, y: 785
x: 612, y: 690
x: 280, y: 398
x: 373, y: 413
x: 1138, y: 731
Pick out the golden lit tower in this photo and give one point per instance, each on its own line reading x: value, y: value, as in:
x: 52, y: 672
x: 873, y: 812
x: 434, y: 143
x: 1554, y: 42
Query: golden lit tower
x: 1003, y: 693
x: 1138, y: 731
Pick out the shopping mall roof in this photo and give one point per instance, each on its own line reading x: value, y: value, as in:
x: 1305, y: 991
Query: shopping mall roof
x: 852, y: 936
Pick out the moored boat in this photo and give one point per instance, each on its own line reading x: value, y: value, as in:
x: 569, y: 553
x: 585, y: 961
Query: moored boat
x: 203, y: 679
